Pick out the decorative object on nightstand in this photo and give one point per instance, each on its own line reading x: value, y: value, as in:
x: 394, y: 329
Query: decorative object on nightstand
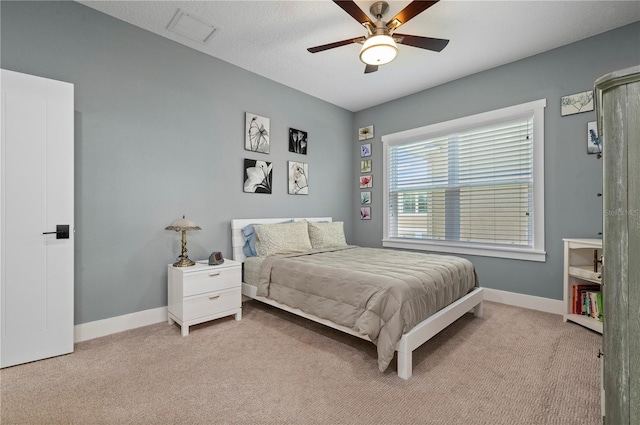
x: 182, y: 225
x: 204, y: 292
x: 215, y: 259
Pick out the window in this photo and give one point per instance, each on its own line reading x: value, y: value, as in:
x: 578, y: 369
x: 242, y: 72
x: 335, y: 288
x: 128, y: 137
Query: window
x: 474, y: 185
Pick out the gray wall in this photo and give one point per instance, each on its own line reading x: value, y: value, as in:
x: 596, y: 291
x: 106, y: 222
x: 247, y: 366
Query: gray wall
x: 572, y: 177
x: 160, y: 133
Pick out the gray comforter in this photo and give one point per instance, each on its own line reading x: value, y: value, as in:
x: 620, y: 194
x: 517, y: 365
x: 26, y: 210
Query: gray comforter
x: 380, y: 293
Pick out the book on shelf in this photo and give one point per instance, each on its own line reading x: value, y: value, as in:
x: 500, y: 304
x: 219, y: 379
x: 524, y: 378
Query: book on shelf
x: 587, y: 301
x: 599, y: 305
x: 578, y: 300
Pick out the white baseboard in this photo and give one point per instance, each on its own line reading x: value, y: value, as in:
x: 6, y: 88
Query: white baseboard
x: 531, y: 302
x: 90, y: 330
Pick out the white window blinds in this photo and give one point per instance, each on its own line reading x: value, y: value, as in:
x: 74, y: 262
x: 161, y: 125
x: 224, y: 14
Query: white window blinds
x: 472, y: 186
x: 476, y: 181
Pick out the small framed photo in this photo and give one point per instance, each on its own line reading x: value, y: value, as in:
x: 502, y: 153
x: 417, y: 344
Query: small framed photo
x: 256, y: 134
x: 365, y: 150
x: 298, y: 141
x: 365, y: 133
x: 576, y: 103
x: 257, y: 176
x: 366, y: 181
x: 298, y: 178
x: 594, y: 145
x: 365, y: 166
x: 365, y: 198
x: 365, y: 213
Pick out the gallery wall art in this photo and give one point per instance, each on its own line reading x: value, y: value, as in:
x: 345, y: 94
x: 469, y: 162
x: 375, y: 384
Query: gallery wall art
x: 256, y: 133
x: 258, y: 176
x: 365, y: 133
x: 298, y: 178
x: 594, y: 144
x: 576, y: 103
x: 298, y: 141
x: 365, y: 150
x: 365, y: 197
x: 366, y: 181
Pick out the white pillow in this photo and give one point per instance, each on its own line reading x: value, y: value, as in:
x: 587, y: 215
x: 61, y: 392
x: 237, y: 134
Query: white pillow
x: 327, y: 235
x: 282, y: 238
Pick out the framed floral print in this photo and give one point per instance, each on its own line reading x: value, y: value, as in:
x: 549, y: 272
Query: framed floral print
x: 257, y: 176
x: 365, y: 198
x: 594, y: 144
x: 256, y: 135
x: 298, y: 141
x: 366, y: 181
x: 365, y: 150
x: 576, y: 103
x: 365, y: 133
x: 298, y: 178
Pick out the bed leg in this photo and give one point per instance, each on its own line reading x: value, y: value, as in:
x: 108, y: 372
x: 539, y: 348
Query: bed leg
x: 405, y: 365
x: 478, y: 310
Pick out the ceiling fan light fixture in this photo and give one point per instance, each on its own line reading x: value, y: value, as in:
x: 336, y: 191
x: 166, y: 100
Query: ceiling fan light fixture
x: 378, y: 50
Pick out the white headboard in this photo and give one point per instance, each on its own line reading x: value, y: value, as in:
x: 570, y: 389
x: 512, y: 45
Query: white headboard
x: 237, y: 240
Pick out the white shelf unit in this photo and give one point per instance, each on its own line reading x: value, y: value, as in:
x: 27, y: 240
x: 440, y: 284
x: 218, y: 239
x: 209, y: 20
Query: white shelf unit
x: 579, y: 270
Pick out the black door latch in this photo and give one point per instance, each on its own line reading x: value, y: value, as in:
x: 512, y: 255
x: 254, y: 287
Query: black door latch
x: 62, y: 231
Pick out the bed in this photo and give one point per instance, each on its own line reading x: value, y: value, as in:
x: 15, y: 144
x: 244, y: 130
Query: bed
x: 396, y: 299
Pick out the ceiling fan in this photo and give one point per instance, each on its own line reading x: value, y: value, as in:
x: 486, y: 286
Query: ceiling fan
x: 379, y: 45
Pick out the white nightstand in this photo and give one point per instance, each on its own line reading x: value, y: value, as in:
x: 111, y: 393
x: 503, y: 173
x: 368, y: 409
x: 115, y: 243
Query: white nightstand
x: 202, y: 292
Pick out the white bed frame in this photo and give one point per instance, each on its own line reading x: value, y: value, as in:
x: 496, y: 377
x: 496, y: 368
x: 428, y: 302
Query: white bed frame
x: 413, y: 339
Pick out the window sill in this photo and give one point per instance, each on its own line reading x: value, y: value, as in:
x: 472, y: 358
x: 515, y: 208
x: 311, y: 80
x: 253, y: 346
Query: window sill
x: 468, y: 249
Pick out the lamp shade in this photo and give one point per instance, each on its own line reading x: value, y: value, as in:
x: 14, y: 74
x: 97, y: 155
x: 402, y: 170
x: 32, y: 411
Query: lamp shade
x: 378, y: 50
x: 182, y: 224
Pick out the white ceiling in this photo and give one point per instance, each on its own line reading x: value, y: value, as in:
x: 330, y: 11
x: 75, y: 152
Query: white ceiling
x: 270, y: 38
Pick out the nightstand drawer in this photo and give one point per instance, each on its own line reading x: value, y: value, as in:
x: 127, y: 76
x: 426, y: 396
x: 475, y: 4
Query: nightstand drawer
x: 211, y: 303
x: 211, y: 280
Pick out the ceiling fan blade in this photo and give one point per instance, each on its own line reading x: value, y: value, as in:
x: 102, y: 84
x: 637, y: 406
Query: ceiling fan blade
x: 435, y: 44
x: 356, y: 13
x: 336, y: 44
x: 370, y: 68
x: 412, y: 10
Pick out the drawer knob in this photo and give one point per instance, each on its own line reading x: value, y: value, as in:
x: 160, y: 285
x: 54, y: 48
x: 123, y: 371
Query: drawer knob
x: 214, y: 297
x: 214, y: 274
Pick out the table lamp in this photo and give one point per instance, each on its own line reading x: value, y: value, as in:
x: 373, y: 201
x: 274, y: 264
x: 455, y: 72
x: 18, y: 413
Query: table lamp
x: 182, y: 225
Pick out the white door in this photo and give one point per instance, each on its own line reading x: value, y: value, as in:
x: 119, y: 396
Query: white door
x: 36, y: 183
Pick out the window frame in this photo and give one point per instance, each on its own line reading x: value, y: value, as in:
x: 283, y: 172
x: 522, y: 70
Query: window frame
x: 534, y: 109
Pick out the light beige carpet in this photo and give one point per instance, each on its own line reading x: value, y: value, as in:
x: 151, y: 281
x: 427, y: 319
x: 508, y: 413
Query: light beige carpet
x: 514, y: 366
